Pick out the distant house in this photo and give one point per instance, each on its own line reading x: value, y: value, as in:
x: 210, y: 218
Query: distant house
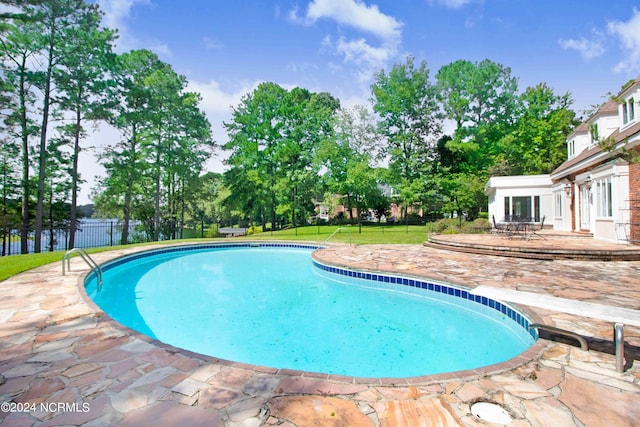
x: 593, y: 191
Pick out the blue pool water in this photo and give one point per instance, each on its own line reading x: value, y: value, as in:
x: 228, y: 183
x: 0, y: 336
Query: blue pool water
x: 273, y: 307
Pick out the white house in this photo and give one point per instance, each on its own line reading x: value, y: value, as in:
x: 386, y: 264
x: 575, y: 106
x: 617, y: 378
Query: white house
x: 594, y: 191
x: 527, y: 196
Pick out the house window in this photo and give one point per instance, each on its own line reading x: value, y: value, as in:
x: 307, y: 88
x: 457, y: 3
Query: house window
x: 625, y: 114
x: 572, y: 148
x: 558, y: 206
x: 527, y: 207
x: 593, y: 131
x: 628, y: 112
x: 604, y: 198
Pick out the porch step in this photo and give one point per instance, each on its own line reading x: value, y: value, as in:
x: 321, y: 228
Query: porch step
x: 571, y: 234
x: 552, y: 249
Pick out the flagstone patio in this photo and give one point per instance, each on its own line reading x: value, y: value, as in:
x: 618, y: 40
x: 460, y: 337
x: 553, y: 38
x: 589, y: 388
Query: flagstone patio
x: 63, y: 362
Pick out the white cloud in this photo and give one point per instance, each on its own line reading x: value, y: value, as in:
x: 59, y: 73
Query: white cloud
x: 215, y: 100
x: 451, y: 4
x: 162, y: 49
x: 368, y: 58
x: 588, y: 48
x: 629, y: 35
x: 355, y: 14
x: 301, y: 67
x: 212, y: 44
x: 217, y: 103
x: 116, y: 14
x: 116, y: 11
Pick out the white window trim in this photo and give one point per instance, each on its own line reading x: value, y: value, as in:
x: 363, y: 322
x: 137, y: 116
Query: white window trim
x: 604, y: 197
x: 631, y: 116
x: 558, y: 200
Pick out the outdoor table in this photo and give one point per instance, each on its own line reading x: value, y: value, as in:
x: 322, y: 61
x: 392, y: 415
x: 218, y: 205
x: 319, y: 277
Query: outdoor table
x: 520, y: 228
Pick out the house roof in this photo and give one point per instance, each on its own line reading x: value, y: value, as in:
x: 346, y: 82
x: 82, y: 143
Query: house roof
x: 583, y: 128
x: 592, y: 155
x: 629, y: 86
x: 517, y: 181
x: 609, y: 108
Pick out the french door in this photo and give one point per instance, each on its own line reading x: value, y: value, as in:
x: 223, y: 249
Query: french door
x: 585, y: 208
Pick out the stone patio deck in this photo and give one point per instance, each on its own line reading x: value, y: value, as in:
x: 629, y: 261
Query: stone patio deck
x: 63, y: 362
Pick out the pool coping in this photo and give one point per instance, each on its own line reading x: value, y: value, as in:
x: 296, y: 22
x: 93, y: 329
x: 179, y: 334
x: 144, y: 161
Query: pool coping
x: 534, y: 352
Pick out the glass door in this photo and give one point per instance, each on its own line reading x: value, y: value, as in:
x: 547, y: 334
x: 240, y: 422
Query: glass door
x: 585, y: 208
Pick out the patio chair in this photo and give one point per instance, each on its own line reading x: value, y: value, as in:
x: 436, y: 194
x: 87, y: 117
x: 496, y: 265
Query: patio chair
x: 498, y: 228
x: 534, y: 231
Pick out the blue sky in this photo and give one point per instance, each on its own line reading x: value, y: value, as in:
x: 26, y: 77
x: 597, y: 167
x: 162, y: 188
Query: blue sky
x: 226, y: 48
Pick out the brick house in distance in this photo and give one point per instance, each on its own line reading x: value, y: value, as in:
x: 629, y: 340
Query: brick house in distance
x: 595, y: 190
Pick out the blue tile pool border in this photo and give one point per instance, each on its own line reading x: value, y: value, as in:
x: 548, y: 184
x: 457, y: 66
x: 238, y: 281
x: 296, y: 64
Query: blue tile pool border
x: 196, y: 247
x: 425, y: 284
x: 441, y: 288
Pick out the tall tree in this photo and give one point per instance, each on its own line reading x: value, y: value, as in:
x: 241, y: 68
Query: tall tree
x: 411, y: 121
x: 190, y: 145
x: 58, y: 20
x: 537, y: 144
x: 349, y: 157
x: 165, y: 141
x: 9, y: 190
x: 85, y: 88
x: 307, y: 123
x: 482, y: 99
x: 125, y: 161
x: 164, y: 87
x: 19, y: 44
x: 255, y: 131
x: 57, y: 189
x: 273, y: 138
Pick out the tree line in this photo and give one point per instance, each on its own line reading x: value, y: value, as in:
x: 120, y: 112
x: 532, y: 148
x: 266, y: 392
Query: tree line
x: 291, y: 148
x: 428, y: 142
x: 59, y: 77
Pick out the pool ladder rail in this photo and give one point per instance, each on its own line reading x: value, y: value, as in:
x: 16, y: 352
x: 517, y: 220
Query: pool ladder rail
x: 339, y: 229
x: 85, y: 256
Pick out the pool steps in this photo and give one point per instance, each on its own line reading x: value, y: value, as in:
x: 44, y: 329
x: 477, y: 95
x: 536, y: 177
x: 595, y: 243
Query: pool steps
x: 85, y: 256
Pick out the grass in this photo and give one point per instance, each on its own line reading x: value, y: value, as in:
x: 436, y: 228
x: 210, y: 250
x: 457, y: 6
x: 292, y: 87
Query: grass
x: 370, y: 234
x: 14, y: 264
x: 367, y: 235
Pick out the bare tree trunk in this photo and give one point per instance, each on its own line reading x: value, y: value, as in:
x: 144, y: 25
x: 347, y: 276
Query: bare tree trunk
x: 126, y: 209
x: 26, y: 188
x: 43, y: 147
x: 156, y: 214
x: 74, y: 182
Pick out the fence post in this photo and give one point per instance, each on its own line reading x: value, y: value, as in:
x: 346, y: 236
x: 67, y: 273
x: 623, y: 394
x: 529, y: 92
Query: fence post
x: 111, y: 234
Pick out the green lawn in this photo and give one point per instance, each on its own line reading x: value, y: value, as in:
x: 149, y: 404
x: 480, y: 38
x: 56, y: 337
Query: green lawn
x: 398, y: 234
x: 14, y: 264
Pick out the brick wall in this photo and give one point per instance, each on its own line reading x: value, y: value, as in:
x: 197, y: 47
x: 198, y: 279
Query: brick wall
x: 634, y: 200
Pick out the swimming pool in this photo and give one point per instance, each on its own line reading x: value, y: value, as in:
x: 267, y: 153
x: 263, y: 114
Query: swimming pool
x: 273, y: 305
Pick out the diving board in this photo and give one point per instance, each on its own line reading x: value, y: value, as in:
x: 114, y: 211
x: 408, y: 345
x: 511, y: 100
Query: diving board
x: 620, y: 316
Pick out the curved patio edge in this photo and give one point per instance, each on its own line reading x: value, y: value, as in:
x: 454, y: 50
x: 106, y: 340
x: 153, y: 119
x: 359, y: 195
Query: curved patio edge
x: 551, y: 248
x: 56, y: 347
x: 531, y: 353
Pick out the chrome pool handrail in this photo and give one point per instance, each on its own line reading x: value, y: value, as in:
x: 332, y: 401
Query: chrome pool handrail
x: 335, y: 231
x: 85, y: 256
